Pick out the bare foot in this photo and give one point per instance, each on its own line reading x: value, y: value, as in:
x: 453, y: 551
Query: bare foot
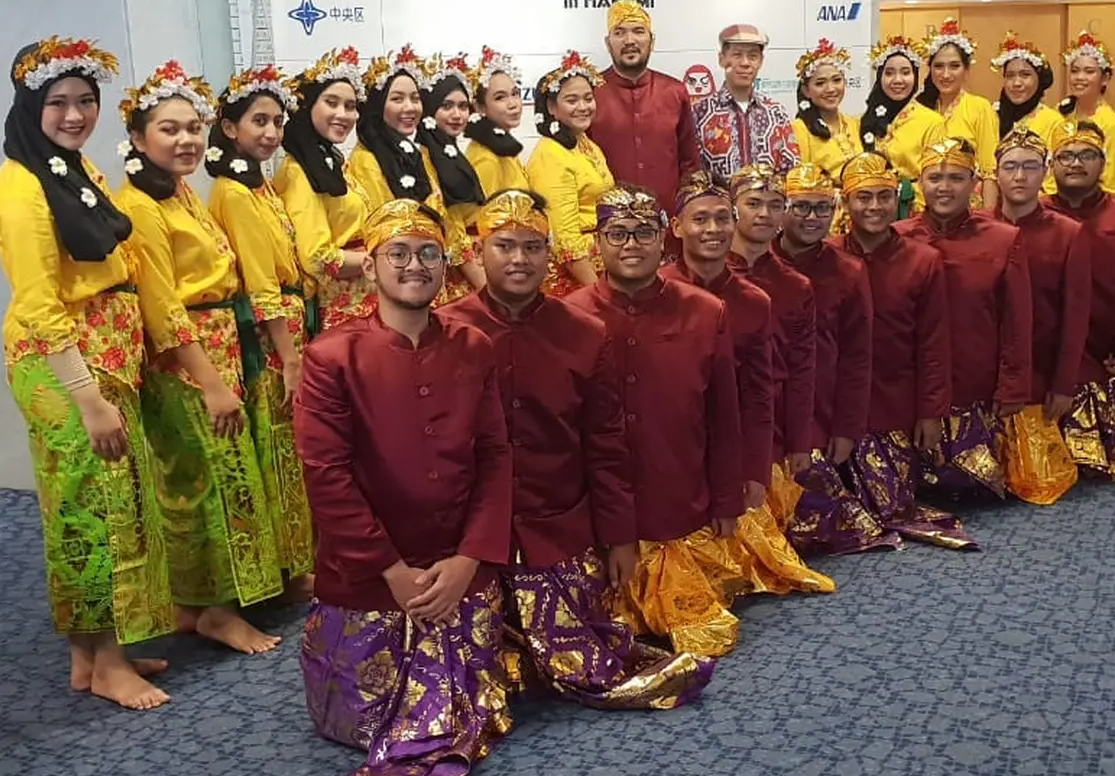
x: 299, y: 590
x: 81, y: 679
x: 116, y: 679
x: 232, y: 630
x: 81, y: 664
x: 185, y: 618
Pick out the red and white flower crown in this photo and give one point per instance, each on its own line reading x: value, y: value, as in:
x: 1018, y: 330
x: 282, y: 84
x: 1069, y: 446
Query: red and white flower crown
x: 1011, y: 48
x: 1087, y: 45
x: 950, y: 33
x: 56, y: 56
x: 170, y: 80
x: 441, y: 68
x: 912, y: 49
x: 573, y: 64
x: 343, y: 65
x: 381, y: 69
x: 262, y: 79
x: 826, y: 53
x: 492, y: 62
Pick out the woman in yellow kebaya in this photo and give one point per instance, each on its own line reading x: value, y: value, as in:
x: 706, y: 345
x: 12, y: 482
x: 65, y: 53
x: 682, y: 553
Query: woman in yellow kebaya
x: 1027, y: 76
x: 1089, y: 67
x: 498, y: 101
x: 446, y: 109
x: 950, y: 54
x: 569, y: 170
x: 73, y: 348
x: 894, y: 123
x: 250, y: 117
x: 218, y: 523
x: 326, y: 205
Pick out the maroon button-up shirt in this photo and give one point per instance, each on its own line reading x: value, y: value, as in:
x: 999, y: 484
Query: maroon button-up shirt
x: 1097, y: 214
x: 748, y: 309
x: 842, y: 379
x: 1061, y: 289
x: 645, y: 128
x: 678, y: 386
x: 990, y: 312
x: 560, y: 391
x: 793, y: 356
x: 910, y: 353
x: 405, y: 455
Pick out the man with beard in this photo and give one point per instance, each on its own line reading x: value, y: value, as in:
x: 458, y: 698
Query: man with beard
x: 408, y: 471
x: 829, y: 519
x: 705, y: 223
x: 738, y: 126
x: 1060, y: 287
x: 910, y: 355
x: 572, y: 476
x: 1078, y: 164
x: 643, y: 122
x: 674, y: 355
x: 990, y: 319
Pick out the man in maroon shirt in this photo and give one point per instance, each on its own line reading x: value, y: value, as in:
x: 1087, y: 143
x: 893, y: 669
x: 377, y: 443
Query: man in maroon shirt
x: 572, y: 475
x: 705, y: 223
x: 408, y: 471
x: 674, y: 356
x: 829, y: 519
x: 990, y: 319
x: 643, y: 122
x: 910, y: 356
x: 1078, y: 164
x: 1061, y: 290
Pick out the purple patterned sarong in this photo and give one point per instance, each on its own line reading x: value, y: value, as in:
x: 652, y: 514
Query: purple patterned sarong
x: 969, y: 448
x: 1089, y: 427
x: 830, y: 520
x: 420, y: 704
x: 885, y: 470
x: 574, y: 645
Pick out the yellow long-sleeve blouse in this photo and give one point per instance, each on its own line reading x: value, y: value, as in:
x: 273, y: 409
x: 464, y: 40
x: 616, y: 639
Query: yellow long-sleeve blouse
x: 1104, y: 118
x: 365, y: 168
x: 184, y: 259
x: 262, y: 235
x: 571, y: 181
x: 914, y: 128
x: 323, y: 226
x: 496, y: 172
x: 972, y: 118
x: 830, y: 154
x: 50, y: 291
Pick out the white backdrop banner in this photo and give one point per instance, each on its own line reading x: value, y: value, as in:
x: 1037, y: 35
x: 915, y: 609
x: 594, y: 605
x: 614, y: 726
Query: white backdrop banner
x: 686, y: 34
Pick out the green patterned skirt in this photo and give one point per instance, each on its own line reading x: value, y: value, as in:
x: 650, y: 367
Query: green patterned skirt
x: 273, y: 432
x: 106, y: 561
x: 217, y: 520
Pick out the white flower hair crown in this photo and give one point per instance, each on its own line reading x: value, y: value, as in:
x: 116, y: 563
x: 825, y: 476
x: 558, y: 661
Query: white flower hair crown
x: 1011, y: 48
x: 169, y: 80
x: 950, y: 33
x: 56, y: 56
x: 264, y: 79
x: 1087, y: 45
x: 492, y: 62
x: 897, y: 44
x: 382, y: 69
x: 343, y: 65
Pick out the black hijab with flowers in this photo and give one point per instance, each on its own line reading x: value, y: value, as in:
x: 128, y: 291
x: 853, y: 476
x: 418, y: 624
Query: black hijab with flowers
x: 459, y: 184
x: 398, y: 156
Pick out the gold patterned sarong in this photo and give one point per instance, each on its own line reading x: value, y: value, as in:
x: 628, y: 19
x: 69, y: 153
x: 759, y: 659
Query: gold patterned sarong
x: 1039, y: 468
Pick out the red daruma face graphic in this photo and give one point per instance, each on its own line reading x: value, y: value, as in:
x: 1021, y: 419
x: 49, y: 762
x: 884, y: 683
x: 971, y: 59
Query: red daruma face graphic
x: 699, y: 82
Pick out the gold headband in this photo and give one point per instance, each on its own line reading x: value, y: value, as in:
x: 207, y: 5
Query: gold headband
x: 809, y: 178
x: 867, y: 171
x: 621, y: 202
x: 699, y: 184
x: 1022, y: 137
x: 397, y: 218
x: 511, y: 210
x: 757, y: 177
x: 949, y: 151
x: 627, y: 12
x: 1072, y: 132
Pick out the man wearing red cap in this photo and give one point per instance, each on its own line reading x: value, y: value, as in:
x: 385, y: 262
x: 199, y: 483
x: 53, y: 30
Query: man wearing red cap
x: 643, y: 122
x: 738, y: 126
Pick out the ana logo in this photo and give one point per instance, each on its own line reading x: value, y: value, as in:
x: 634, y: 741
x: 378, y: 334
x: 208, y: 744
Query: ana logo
x: 838, y: 13
x: 308, y: 15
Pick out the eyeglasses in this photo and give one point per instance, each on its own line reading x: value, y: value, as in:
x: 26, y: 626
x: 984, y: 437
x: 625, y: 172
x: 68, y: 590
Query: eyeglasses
x: 1087, y: 156
x: 1030, y: 166
x: 429, y: 256
x: 617, y: 238
x: 819, y: 209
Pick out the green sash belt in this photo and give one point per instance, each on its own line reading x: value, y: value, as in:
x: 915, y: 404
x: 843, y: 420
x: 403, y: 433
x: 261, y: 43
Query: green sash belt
x: 251, y: 353
x: 906, y: 196
x: 120, y: 288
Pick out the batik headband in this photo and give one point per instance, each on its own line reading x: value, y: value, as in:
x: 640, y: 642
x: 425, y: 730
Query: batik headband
x: 699, y: 184
x: 1022, y: 137
x: 867, y: 171
x: 169, y: 80
x: 1076, y: 132
x: 56, y: 56
x: 627, y: 12
x: 398, y: 218
x: 809, y: 178
x: 757, y: 177
x: 511, y: 210
x: 621, y: 202
x: 949, y: 151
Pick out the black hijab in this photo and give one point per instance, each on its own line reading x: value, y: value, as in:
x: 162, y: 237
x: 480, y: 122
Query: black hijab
x: 459, y: 184
x: 250, y: 173
x: 310, y: 149
x: 88, y: 233
x: 881, y: 109
x: 1009, y: 113
x: 499, y: 141
x: 399, y: 158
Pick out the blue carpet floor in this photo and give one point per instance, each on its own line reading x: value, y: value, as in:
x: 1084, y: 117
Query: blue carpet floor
x: 925, y: 662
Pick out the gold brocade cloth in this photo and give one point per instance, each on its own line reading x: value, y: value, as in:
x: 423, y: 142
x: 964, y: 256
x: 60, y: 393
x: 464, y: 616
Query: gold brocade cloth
x: 1039, y: 468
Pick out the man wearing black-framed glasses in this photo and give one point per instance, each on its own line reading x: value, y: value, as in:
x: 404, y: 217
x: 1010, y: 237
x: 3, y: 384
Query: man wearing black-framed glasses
x: 1078, y: 166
